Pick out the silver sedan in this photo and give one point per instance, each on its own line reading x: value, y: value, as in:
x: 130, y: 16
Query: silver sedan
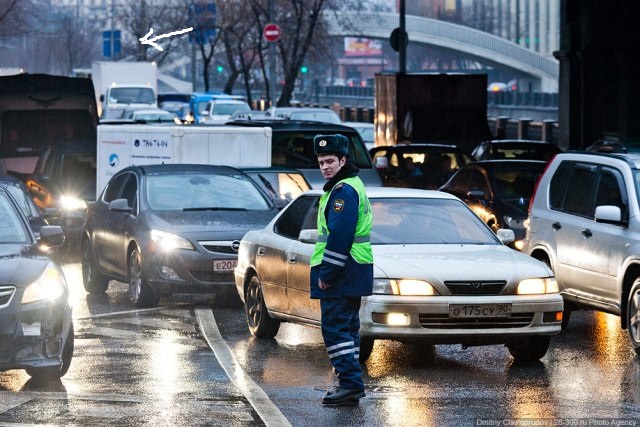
x: 441, y: 276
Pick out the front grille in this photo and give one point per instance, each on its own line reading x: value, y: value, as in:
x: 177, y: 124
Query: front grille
x: 468, y: 287
x: 211, y: 276
x: 443, y: 321
x: 221, y: 247
x: 6, y: 293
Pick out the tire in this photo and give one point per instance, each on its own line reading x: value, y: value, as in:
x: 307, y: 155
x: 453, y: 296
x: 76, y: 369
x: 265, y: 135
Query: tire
x: 633, y: 315
x: 94, y: 281
x: 366, y: 348
x: 529, y: 349
x: 67, y: 355
x: 261, y: 324
x: 139, y: 292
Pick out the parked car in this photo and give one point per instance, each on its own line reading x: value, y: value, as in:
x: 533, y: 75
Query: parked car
x: 366, y: 131
x: 314, y: 114
x: 441, y: 276
x: 218, y: 111
x: 171, y: 229
x: 63, y: 185
x: 418, y: 165
x: 498, y: 191
x: 21, y: 195
x: 584, y: 222
x: 292, y: 147
x: 198, y: 103
x: 281, y: 184
x: 521, y: 149
x: 36, y: 327
x: 148, y: 115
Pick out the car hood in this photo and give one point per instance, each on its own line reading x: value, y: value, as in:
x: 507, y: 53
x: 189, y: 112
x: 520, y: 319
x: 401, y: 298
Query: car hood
x: 439, y: 263
x: 224, y: 221
x: 18, y: 268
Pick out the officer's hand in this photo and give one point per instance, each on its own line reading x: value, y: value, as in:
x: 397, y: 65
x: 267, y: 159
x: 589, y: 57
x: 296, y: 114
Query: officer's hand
x: 322, y: 285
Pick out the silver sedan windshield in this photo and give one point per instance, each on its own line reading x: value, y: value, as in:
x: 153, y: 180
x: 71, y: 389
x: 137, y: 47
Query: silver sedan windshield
x: 427, y: 221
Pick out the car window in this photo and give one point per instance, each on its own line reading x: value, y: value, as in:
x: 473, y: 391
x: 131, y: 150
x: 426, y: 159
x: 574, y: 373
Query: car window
x: 558, y: 185
x: 298, y: 216
x: 478, y: 181
x: 295, y: 150
x: 580, y: 190
x: 113, y: 190
x: 130, y: 192
x: 203, y: 191
x: 26, y: 204
x: 12, y: 229
x: 611, y: 190
x: 426, y: 221
x: 460, y: 180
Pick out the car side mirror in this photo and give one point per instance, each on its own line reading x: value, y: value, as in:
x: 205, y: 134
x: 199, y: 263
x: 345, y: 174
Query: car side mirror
x: 506, y: 236
x: 608, y: 214
x: 120, y: 205
x: 381, y: 162
x: 51, y: 236
x: 475, y: 194
x: 308, y: 236
x: 205, y: 113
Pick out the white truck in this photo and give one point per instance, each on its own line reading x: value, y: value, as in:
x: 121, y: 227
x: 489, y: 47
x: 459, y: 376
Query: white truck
x: 122, y: 145
x: 125, y: 84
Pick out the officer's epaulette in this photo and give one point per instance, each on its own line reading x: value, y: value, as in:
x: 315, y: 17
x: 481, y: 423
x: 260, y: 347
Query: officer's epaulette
x: 338, y: 186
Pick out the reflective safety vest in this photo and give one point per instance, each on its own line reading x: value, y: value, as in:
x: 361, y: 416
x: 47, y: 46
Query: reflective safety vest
x: 361, y: 249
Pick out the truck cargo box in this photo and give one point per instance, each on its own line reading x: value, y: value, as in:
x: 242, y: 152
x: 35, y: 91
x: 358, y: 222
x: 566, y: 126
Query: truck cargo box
x: 120, y: 146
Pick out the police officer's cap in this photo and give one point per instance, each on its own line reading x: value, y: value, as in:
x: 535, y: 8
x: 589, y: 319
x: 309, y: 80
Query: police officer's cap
x: 331, y: 144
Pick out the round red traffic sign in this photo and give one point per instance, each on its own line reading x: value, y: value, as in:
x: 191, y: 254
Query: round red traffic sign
x: 271, y: 32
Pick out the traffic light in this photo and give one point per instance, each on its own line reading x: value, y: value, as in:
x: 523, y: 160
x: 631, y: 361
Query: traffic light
x: 220, y: 68
x: 304, y: 69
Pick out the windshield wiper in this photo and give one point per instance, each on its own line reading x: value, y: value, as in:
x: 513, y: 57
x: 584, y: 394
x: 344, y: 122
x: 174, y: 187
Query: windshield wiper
x: 213, y: 208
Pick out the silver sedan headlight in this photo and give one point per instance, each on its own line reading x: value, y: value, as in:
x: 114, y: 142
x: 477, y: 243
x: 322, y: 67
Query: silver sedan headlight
x: 49, y: 286
x: 404, y: 287
x: 168, y: 242
x: 537, y: 286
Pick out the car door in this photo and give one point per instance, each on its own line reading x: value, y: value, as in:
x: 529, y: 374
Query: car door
x: 299, y: 272
x: 119, y: 227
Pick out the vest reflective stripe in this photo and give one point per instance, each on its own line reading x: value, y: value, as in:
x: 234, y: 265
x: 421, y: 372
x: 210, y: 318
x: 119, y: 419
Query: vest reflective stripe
x: 361, y: 249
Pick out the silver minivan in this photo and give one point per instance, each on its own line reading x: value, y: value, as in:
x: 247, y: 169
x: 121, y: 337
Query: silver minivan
x: 584, y: 222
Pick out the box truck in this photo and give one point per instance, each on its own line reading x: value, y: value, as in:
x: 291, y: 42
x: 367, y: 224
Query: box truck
x: 122, y: 145
x: 125, y: 84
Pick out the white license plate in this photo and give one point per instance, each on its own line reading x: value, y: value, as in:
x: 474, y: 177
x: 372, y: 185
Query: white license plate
x: 222, y: 265
x: 479, y: 310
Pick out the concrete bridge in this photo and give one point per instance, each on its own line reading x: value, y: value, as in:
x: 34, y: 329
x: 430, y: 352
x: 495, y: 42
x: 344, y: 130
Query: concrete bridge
x: 488, y: 49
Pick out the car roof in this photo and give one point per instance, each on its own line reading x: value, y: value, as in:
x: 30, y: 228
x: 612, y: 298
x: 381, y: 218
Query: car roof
x: 507, y: 163
x: 399, y: 193
x: 417, y: 147
x: 186, y: 168
x: 516, y: 142
x: 633, y: 159
x: 294, y: 125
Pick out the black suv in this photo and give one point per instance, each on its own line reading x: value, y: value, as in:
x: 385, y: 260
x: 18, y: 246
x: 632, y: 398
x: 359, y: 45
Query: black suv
x: 292, y: 147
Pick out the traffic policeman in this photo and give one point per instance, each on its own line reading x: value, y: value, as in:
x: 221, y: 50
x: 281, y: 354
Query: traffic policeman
x: 342, y: 264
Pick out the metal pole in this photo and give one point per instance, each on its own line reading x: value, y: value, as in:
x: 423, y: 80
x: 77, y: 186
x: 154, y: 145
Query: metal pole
x: 402, y: 45
x: 272, y: 61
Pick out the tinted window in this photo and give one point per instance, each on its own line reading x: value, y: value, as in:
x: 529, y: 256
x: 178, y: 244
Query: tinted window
x: 580, y: 190
x: 478, y: 181
x: 295, y: 150
x: 114, y: 188
x: 299, y: 213
x: 611, y: 189
x: 12, y: 229
x: 558, y: 185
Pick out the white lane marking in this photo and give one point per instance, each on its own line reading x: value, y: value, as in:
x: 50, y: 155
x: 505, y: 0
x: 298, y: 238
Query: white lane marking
x: 266, y: 409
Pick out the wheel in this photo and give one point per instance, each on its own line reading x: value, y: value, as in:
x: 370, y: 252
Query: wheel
x: 139, y: 292
x: 366, y: 348
x: 529, y: 349
x: 67, y: 355
x: 261, y: 324
x: 94, y: 281
x: 633, y: 315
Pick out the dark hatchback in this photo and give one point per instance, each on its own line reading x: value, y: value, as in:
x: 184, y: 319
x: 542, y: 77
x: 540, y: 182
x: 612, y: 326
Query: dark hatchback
x: 292, y: 147
x: 418, y: 165
x: 171, y: 229
x: 36, y: 327
x: 498, y: 191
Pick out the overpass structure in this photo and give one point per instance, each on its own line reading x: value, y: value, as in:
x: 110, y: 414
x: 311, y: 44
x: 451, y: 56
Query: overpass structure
x: 484, y: 47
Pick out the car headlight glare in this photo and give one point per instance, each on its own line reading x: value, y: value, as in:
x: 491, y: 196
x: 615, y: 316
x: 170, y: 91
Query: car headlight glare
x: 168, y: 242
x: 405, y: 287
x: 72, y: 203
x: 49, y: 286
x: 538, y: 286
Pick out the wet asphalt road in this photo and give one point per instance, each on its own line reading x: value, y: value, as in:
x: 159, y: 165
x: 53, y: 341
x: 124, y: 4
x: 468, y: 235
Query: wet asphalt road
x: 155, y: 368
